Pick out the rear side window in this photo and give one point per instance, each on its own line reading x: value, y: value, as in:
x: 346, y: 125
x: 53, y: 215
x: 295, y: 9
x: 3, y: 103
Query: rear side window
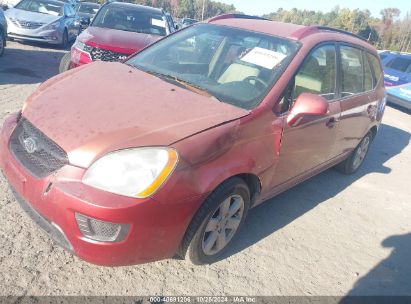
x: 317, y: 74
x: 368, y: 76
x: 401, y: 64
x: 375, y: 63
x: 352, y: 71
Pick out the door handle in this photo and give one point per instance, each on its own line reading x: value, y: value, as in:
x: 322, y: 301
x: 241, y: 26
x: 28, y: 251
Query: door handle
x: 331, y: 122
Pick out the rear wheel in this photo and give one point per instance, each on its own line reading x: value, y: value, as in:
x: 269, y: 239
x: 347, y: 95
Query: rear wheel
x: 356, y: 158
x: 217, y: 222
x: 65, y: 63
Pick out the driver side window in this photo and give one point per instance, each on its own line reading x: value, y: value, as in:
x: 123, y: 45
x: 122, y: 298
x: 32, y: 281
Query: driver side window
x: 317, y: 75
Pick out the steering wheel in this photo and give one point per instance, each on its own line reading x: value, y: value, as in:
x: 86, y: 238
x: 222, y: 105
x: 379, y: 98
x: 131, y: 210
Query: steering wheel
x: 256, y: 79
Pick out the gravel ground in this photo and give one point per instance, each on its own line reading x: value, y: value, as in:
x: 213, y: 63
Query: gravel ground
x: 331, y: 235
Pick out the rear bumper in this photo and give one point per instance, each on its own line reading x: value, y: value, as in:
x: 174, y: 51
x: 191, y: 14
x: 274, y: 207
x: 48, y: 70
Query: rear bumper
x: 398, y: 101
x: 155, y: 232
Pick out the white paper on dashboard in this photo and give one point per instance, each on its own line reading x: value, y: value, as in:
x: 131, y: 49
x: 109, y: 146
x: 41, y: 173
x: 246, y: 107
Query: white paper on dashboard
x: 263, y: 57
x: 158, y: 22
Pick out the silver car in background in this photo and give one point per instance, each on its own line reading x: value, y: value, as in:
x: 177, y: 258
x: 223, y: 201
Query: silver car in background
x: 49, y: 21
x: 3, y: 32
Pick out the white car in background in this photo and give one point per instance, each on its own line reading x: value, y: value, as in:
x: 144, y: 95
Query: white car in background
x: 48, y: 21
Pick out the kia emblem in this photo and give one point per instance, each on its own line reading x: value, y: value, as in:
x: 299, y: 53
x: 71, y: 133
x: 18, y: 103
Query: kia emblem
x: 30, y: 145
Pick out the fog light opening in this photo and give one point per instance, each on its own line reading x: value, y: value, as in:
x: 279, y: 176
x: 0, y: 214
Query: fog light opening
x: 101, y: 231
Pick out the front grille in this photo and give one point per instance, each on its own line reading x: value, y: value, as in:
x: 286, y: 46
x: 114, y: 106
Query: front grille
x: 26, y: 24
x: 35, y: 151
x: 106, y: 55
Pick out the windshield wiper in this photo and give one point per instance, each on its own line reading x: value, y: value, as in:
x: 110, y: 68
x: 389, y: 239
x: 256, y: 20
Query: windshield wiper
x: 191, y: 86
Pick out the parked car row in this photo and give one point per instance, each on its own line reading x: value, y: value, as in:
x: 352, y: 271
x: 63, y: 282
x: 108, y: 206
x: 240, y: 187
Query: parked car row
x: 61, y: 21
x: 117, y: 31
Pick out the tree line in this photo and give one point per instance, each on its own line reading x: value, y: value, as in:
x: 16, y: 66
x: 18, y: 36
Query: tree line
x: 386, y: 32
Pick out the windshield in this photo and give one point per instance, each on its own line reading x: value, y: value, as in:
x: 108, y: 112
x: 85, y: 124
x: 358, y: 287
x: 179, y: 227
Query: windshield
x: 48, y: 7
x: 126, y: 18
x: 235, y: 66
x: 88, y: 8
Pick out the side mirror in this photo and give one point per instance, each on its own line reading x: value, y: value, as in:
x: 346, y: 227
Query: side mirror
x: 176, y: 27
x: 307, y: 104
x: 5, y: 7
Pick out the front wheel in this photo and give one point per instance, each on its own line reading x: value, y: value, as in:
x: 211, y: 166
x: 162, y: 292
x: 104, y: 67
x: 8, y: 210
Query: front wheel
x: 217, y: 222
x: 356, y: 158
x: 65, y: 63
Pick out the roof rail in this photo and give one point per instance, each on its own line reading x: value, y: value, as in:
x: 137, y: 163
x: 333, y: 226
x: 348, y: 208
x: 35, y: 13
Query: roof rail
x: 234, y: 16
x: 327, y: 28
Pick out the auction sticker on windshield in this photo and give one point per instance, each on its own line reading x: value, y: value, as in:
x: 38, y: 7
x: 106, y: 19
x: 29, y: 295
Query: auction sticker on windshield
x: 263, y: 57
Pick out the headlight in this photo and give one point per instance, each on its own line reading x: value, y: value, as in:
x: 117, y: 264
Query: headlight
x: 82, y: 46
x: 135, y: 172
x: 52, y: 26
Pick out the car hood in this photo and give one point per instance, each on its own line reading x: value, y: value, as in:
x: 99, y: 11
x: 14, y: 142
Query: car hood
x: 116, y: 40
x: 102, y: 107
x: 30, y: 16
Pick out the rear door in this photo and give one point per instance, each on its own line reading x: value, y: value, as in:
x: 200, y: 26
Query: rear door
x: 358, y: 98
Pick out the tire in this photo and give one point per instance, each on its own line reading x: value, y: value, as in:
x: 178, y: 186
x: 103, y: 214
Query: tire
x: 2, y: 43
x: 64, y: 41
x: 65, y: 62
x: 203, y: 242
x: 356, y: 158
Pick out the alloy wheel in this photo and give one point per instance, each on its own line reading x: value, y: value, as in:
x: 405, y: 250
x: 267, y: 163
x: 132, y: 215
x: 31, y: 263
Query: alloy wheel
x: 223, y: 224
x: 361, y: 152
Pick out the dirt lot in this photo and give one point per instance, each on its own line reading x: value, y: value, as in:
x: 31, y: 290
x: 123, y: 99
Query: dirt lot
x: 332, y: 235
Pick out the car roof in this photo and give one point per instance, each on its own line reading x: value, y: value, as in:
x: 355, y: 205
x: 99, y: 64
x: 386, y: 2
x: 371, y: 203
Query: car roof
x: 396, y: 54
x: 147, y: 9
x: 292, y: 31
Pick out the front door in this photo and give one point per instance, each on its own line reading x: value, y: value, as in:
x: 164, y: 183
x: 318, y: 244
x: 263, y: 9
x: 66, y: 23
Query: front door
x: 311, y: 143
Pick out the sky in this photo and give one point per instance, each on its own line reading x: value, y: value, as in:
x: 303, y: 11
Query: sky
x: 260, y: 7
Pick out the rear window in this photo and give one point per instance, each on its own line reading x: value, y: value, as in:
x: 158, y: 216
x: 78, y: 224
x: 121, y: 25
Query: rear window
x: 88, y: 8
x: 130, y: 19
x: 41, y: 6
x: 401, y: 64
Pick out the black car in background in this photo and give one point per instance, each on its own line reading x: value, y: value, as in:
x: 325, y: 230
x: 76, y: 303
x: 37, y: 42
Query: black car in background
x: 87, y: 11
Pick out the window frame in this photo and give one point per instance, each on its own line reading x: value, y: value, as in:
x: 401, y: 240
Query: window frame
x: 289, y: 88
x: 363, y: 50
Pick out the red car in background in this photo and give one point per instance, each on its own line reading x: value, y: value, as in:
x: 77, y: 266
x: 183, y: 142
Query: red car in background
x: 117, y: 31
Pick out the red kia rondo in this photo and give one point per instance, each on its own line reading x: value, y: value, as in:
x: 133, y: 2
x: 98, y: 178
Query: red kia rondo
x: 117, y: 31
x: 125, y: 163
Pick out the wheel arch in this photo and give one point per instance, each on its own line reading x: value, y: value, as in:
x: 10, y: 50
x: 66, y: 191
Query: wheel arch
x: 373, y: 131
x: 254, y: 185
